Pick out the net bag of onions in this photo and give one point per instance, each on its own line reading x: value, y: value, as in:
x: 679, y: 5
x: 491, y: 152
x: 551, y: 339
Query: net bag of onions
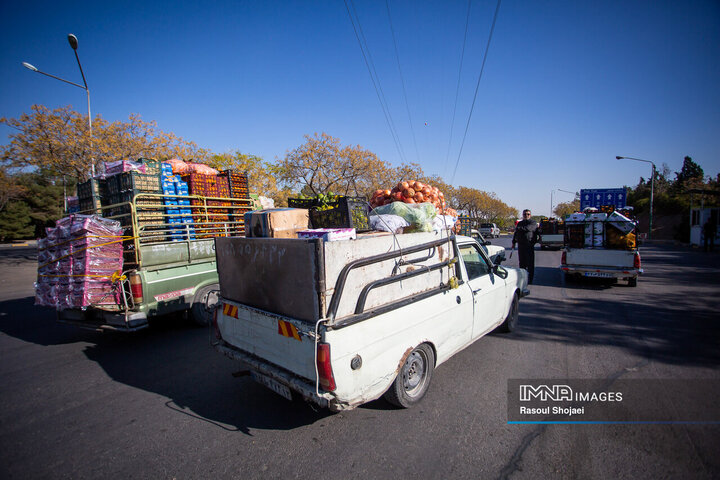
x: 410, y: 192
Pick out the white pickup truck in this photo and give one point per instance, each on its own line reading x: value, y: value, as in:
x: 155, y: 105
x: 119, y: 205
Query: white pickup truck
x: 489, y: 230
x: 620, y: 264
x: 343, y: 323
x: 601, y: 246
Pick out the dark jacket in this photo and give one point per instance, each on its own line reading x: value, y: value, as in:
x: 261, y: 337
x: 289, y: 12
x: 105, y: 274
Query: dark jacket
x: 526, y: 233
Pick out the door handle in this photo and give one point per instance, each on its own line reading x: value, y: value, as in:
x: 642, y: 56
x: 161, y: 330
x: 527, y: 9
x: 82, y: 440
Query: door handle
x: 476, y: 291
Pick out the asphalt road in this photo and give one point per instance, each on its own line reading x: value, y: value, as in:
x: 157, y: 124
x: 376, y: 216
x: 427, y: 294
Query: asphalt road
x: 162, y: 403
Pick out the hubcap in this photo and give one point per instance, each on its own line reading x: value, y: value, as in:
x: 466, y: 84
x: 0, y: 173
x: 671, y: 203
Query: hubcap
x: 414, y: 372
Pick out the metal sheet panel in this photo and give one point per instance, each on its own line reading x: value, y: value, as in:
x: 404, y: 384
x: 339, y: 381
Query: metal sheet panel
x: 279, y: 275
x: 164, y: 253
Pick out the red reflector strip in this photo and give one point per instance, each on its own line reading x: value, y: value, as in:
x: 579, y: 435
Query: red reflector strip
x: 230, y: 310
x: 287, y: 329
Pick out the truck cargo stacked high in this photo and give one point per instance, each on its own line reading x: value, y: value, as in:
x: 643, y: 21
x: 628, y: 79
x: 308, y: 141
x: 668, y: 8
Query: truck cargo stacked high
x: 79, y: 263
x: 600, y: 230
x: 161, y: 259
x: 601, y: 242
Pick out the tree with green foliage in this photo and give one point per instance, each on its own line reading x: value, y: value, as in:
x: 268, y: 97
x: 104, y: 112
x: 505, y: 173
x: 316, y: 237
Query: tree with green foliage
x: 58, y: 141
x: 15, y: 222
x: 690, y: 170
x: 564, y: 209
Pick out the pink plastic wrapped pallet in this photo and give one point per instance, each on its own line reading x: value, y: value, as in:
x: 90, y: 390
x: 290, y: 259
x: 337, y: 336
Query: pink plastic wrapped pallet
x: 113, y: 168
x: 78, y: 263
x: 91, y: 266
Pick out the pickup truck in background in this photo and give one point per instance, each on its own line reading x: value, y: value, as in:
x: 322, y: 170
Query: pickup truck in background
x: 489, y: 230
x: 168, y: 267
x: 343, y: 323
x: 599, y: 245
x: 552, y: 233
x: 138, y: 242
x: 496, y: 253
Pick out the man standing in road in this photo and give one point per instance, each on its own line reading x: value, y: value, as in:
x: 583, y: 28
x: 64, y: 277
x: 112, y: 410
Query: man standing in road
x: 709, y: 230
x: 526, y: 236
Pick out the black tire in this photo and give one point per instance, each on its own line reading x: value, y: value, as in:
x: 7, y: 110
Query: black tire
x: 204, y: 303
x: 510, y: 323
x: 413, y: 381
x: 632, y: 282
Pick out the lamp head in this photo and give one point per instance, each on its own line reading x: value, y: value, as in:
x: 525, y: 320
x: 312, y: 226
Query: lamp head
x: 73, y: 41
x: 29, y: 67
x: 619, y: 158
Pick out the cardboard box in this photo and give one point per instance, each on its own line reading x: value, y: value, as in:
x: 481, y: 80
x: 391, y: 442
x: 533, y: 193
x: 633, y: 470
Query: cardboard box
x: 328, y: 234
x: 621, y: 222
x: 276, y: 222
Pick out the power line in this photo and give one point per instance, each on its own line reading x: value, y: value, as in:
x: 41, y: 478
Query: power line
x: 472, y: 107
x: 402, y: 80
x: 374, y: 77
x: 457, y: 88
x: 377, y: 77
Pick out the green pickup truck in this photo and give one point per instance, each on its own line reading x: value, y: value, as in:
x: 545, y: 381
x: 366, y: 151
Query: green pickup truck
x: 164, y: 272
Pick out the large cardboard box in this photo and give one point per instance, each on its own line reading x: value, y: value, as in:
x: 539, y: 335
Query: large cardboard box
x: 276, y: 222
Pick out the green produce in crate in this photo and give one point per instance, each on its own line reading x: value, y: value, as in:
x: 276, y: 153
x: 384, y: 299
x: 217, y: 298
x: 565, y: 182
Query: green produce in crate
x: 326, y: 202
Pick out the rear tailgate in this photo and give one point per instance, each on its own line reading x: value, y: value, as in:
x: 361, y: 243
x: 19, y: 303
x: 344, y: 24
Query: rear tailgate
x: 282, y: 341
x: 600, y: 258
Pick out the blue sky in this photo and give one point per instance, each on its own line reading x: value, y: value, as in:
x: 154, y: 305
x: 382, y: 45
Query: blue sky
x: 567, y: 86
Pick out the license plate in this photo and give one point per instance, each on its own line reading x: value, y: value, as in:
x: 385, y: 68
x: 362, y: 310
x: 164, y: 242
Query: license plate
x: 599, y: 274
x: 273, y: 385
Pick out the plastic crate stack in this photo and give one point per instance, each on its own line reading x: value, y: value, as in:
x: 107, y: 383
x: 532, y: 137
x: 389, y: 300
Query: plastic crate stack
x: 196, y: 186
x: 177, y: 211
x: 79, y: 263
x: 125, y: 185
x: 465, y: 225
x: 217, y: 186
x: 186, y: 219
x: 239, y: 189
x: 91, y: 195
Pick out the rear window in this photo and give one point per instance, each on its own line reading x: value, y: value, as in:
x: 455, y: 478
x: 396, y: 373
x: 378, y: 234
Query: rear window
x: 486, y: 225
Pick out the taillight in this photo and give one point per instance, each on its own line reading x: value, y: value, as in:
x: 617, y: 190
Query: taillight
x: 136, y: 288
x: 563, y: 259
x: 636, y: 263
x: 325, y: 373
x: 215, y: 323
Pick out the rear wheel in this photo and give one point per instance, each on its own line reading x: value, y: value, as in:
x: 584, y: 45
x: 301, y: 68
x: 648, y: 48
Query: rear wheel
x: 413, y: 381
x: 632, y: 282
x: 510, y: 323
x: 204, y: 305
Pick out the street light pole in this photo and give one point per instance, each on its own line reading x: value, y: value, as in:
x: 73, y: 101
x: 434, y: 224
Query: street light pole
x: 72, y: 39
x: 568, y: 191
x: 551, y: 197
x: 652, y: 185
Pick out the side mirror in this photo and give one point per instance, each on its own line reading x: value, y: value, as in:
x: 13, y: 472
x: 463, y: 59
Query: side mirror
x: 500, y: 271
x: 487, y: 243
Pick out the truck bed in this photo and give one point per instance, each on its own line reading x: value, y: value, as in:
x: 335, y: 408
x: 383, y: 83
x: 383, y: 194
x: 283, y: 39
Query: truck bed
x: 304, y: 272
